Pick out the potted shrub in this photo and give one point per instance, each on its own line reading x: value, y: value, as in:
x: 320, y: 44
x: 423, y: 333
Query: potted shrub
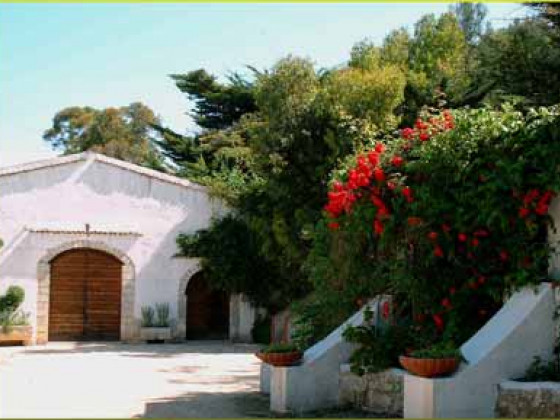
x: 282, y: 354
x: 438, y: 360
x: 14, y: 323
x: 155, y: 323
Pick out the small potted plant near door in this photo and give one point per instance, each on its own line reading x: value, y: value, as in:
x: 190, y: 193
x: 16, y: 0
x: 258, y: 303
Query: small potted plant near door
x: 281, y: 354
x: 438, y: 360
x: 155, y: 323
x: 14, y: 325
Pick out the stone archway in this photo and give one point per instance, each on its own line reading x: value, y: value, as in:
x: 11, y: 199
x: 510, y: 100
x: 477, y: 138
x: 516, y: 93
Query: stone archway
x: 182, y: 302
x: 128, y: 326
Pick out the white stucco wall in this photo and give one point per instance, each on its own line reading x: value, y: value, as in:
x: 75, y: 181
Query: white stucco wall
x: 132, y: 211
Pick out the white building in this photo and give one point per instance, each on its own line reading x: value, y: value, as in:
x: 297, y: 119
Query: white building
x: 92, y: 240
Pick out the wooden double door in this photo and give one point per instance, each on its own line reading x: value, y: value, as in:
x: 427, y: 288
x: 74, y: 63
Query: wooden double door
x: 85, y: 296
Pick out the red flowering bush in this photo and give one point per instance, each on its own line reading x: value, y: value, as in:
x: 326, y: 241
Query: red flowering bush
x: 449, y: 217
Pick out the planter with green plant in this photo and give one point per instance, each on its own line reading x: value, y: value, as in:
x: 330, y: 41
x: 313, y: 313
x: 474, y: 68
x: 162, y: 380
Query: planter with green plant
x: 280, y: 354
x: 14, y: 323
x: 438, y: 360
x: 156, y: 326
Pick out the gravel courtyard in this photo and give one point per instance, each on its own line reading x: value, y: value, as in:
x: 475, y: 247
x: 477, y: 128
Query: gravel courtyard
x: 63, y: 380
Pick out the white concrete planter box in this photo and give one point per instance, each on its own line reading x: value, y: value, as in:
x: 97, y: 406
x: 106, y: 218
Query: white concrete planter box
x: 528, y: 400
x: 20, y: 333
x: 155, y: 333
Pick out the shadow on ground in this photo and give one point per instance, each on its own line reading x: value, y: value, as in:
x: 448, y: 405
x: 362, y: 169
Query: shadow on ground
x: 210, y: 405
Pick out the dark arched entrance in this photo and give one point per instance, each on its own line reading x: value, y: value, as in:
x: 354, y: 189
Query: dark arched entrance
x: 85, y: 296
x: 207, y: 311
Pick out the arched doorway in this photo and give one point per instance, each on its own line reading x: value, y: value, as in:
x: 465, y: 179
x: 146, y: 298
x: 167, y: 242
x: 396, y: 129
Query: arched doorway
x: 85, y: 296
x: 207, y: 310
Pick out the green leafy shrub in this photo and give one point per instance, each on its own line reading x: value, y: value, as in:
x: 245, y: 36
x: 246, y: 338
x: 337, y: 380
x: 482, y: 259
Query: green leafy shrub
x: 381, y: 343
x: 449, y: 217
x: 541, y: 370
x: 162, y: 314
x: 10, y: 315
x: 12, y: 299
x: 232, y: 261
x: 442, y: 350
x: 13, y: 319
x: 260, y: 333
x: 148, y: 316
x: 280, y: 348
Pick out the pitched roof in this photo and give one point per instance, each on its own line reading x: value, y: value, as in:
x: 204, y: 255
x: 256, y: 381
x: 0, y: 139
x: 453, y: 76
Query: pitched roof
x: 97, y: 157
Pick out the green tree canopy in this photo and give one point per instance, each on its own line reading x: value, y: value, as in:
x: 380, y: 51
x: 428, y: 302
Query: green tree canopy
x: 216, y: 105
x: 471, y: 18
x: 523, y: 61
x: 124, y: 133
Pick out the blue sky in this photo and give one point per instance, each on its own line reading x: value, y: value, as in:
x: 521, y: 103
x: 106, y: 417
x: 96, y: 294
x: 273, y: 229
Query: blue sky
x: 58, y: 55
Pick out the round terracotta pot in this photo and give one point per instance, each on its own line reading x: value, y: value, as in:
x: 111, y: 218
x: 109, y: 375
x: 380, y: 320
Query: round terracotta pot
x: 280, y: 359
x: 429, y: 368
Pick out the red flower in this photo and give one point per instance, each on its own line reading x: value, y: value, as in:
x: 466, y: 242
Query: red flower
x: 391, y: 185
x: 530, y: 196
x: 526, y: 262
x: 438, y: 252
x: 446, y: 228
x: 421, y: 125
x: 361, y: 161
x: 377, y: 202
x: 462, y: 237
x: 407, y: 192
x: 446, y: 303
x: 378, y: 174
x: 504, y: 256
x: 337, y: 186
x: 481, y: 280
x: 382, y: 212
x: 379, y: 147
x: 414, y: 221
x: 377, y: 227
x: 334, y: 226
x: 452, y: 290
x: 475, y: 242
x: 373, y: 158
x: 397, y: 161
x: 424, y: 137
x: 541, y: 209
x: 524, y: 212
x: 481, y: 233
x: 432, y: 236
x: 385, y: 310
x: 546, y: 197
x: 438, y: 321
x: 407, y: 133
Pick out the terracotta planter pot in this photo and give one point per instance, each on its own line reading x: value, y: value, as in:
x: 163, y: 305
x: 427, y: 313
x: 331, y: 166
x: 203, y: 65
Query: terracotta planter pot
x: 429, y: 368
x: 281, y: 359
